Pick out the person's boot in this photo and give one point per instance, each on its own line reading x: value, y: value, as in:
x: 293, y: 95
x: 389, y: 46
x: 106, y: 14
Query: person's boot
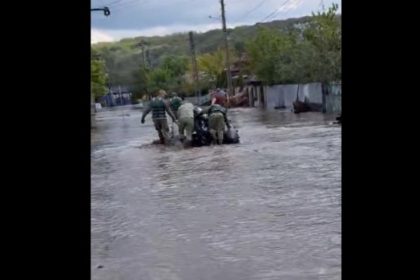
x: 187, y: 143
x: 161, y: 138
x: 220, y: 138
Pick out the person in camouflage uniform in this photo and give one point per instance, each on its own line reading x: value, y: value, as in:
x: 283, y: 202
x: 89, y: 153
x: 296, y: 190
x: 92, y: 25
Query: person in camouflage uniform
x: 175, y: 101
x: 217, y: 121
x: 159, y: 108
x: 186, y: 121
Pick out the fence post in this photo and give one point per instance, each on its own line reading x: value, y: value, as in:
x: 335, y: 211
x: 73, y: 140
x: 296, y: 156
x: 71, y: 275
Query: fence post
x: 324, y: 90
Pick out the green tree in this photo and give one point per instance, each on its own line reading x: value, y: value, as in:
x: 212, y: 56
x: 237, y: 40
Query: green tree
x: 98, y: 78
x: 213, y: 66
x: 175, y: 65
x: 306, y: 52
x: 239, y: 47
x: 271, y: 56
x: 160, y: 78
x: 141, y: 78
x: 324, y: 33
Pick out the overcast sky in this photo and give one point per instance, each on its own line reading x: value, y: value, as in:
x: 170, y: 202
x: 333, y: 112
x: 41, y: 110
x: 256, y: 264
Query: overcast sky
x: 131, y: 18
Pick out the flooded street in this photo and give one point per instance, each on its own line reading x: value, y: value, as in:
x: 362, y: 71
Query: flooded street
x: 267, y: 208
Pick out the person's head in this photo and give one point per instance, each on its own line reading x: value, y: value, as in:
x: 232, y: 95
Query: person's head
x: 161, y: 93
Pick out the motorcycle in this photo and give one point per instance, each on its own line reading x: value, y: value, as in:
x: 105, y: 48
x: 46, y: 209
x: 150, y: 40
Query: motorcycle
x: 201, y: 135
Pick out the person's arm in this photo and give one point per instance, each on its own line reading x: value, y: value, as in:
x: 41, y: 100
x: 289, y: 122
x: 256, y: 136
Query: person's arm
x: 168, y: 109
x: 226, y: 121
x: 145, y: 112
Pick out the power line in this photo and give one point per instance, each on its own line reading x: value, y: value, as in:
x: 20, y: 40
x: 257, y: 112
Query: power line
x: 253, y: 9
x: 286, y: 12
x: 276, y: 11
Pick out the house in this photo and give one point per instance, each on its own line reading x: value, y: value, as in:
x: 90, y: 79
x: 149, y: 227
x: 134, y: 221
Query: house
x: 116, y: 96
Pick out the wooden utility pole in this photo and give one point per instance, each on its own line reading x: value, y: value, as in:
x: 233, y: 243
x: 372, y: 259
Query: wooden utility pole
x: 228, y: 73
x: 142, y: 45
x: 148, y: 60
x: 195, y: 68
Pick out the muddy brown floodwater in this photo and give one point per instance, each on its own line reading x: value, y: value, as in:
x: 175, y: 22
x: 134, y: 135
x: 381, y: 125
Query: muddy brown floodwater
x: 267, y: 208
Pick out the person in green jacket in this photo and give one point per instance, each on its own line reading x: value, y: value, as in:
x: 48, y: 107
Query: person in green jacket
x: 159, y: 108
x: 217, y: 121
x: 175, y: 101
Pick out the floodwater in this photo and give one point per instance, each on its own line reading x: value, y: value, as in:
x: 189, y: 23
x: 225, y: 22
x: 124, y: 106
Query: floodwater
x: 267, y: 208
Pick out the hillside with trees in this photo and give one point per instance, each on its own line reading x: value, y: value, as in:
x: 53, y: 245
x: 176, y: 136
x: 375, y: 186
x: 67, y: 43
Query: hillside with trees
x: 300, y: 50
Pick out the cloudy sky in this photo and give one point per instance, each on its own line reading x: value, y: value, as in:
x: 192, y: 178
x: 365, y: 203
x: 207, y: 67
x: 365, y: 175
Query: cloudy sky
x: 130, y: 18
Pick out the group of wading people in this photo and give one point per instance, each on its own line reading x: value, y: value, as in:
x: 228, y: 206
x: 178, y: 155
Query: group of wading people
x: 182, y: 113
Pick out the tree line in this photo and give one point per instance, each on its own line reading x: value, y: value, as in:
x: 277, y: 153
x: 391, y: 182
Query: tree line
x: 300, y: 51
